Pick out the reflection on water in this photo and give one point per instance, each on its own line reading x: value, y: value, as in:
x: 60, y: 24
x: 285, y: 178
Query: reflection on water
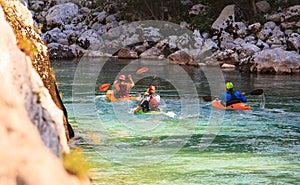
x: 197, y: 146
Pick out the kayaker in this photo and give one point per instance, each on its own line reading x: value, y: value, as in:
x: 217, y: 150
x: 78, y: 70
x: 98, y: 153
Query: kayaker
x: 154, y: 99
x: 231, y: 96
x: 150, y: 102
x: 122, y: 88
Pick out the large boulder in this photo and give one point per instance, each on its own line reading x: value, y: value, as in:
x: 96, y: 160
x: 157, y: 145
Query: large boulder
x: 182, y: 58
x: 226, y: 18
x: 276, y: 61
x: 263, y: 6
x: 90, y: 39
x: 61, y: 14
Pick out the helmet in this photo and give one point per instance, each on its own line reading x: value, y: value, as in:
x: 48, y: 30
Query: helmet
x: 229, y: 85
x: 122, y: 77
x: 151, y: 87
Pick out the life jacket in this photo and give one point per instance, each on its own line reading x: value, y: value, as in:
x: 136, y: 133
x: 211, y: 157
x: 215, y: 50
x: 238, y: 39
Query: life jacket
x: 233, y: 99
x: 145, y: 104
x: 123, y: 92
x: 153, y: 104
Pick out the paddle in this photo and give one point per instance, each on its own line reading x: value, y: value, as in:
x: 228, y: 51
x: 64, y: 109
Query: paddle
x: 104, y: 87
x: 253, y: 92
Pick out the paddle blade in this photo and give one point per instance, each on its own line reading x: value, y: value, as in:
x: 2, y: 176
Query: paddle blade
x: 208, y: 98
x: 257, y: 92
x: 104, y: 87
x: 142, y: 70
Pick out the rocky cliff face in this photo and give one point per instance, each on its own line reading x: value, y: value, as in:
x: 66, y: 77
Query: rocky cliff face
x: 32, y: 133
x: 30, y: 42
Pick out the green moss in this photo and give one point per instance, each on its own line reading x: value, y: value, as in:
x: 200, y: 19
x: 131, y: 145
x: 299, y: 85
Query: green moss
x: 22, y: 32
x: 76, y: 163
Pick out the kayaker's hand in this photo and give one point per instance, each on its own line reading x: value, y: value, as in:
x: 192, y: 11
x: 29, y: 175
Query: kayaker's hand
x: 243, y: 93
x: 129, y: 77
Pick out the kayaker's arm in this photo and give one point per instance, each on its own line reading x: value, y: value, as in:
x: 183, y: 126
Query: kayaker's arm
x: 131, y: 81
x: 137, y: 109
x: 116, y: 85
x: 240, y: 96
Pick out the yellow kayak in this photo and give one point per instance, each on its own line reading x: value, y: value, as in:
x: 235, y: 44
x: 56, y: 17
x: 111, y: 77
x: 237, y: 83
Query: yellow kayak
x: 111, y: 97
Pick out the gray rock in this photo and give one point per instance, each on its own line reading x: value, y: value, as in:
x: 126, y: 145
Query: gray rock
x: 182, y: 58
x: 151, y: 53
x: 255, y: 27
x: 261, y: 44
x: 53, y: 35
x: 226, y: 18
x: 90, y: 39
x: 127, y: 54
x: 60, y: 51
x: 293, y: 42
x: 225, y: 36
x: 250, y: 49
x: 239, y: 41
x: 270, y: 25
x: 264, y: 34
x: 276, y: 61
x: 227, y: 45
x: 61, y: 14
x: 110, y: 19
x: 251, y: 39
x: 263, y: 6
x: 101, y: 17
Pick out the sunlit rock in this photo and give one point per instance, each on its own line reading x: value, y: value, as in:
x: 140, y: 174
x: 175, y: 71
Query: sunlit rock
x: 226, y: 18
x: 61, y: 14
x: 182, y: 58
x: 276, y: 61
x: 293, y: 42
x: 254, y: 28
x: 127, y: 54
x: 90, y: 39
x: 250, y: 49
x: 151, y: 53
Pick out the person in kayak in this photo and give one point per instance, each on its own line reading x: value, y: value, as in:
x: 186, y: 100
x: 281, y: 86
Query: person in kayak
x: 230, y: 96
x: 150, y: 102
x: 122, y: 88
x: 154, y: 99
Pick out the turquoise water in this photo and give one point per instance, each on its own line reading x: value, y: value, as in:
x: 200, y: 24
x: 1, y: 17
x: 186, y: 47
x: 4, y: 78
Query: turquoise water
x: 197, y: 146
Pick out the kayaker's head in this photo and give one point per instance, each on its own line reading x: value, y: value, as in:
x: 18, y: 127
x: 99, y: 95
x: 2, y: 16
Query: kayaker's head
x: 152, y: 89
x: 122, y: 78
x: 229, y: 86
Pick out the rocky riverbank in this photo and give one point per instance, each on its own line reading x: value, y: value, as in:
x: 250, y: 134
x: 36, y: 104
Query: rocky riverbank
x: 72, y: 29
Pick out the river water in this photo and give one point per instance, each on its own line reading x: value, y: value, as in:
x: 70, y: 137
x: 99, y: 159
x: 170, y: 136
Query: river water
x: 190, y: 143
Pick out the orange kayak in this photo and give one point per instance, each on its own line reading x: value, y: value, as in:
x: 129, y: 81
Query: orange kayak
x: 111, y: 97
x: 216, y: 104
